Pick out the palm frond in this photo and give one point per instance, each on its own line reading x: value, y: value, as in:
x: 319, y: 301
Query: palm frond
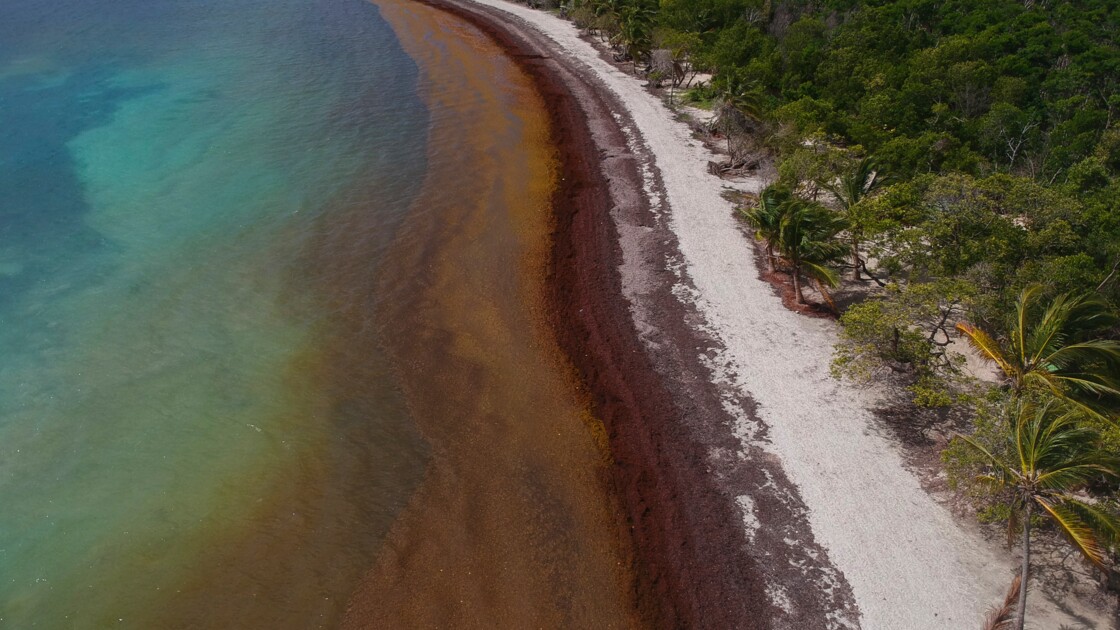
x: 1092, y: 351
x: 1023, y: 308
x: 808, y: 232
x: 820, y: 273
x: 1104, y: 523
x: 1070, y: 523
x: 1091, y: 313
x: 765, y: 216
x: 1002, y: 617
x: 1052, y: 347
x: 1069, y: 477
x: 851, y: 187
x: 992, y: 460
x: 1047, y: 334
x: 986, y: 346
x: 1089, y: 392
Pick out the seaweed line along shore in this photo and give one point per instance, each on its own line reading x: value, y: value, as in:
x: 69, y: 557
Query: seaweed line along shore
x: 749, y: 478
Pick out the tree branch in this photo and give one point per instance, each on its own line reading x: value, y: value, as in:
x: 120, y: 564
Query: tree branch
x: 1110, y: 275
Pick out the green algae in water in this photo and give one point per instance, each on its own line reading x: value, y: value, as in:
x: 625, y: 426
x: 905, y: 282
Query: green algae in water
x: 166, y: 387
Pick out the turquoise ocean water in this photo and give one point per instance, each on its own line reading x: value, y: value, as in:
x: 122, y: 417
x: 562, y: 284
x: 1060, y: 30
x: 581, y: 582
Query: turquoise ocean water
x: 196, y: 426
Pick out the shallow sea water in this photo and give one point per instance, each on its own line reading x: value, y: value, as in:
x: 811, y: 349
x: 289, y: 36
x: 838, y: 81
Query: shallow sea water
x: 197, y: 425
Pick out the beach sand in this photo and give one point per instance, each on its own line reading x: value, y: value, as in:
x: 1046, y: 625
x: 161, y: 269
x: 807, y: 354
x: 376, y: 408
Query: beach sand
x: 760, y: 492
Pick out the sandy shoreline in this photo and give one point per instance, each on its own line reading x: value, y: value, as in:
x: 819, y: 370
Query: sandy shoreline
x: 760, y: 492
x: 666, y: 417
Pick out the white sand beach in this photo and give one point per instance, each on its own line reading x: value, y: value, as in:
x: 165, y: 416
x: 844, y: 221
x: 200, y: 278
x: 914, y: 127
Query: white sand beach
x: 909, y: 562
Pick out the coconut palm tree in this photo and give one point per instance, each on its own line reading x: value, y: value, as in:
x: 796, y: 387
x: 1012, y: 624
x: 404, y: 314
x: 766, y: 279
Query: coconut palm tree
x: 739, y: 106
x: 608, y: 14
x: 1047, y: 455
x: 807, y: 243
x: 849, y: 189
x: 743, y: 95
x: 1057, y: 347
x: 766, y: 219
x: 636, y: 31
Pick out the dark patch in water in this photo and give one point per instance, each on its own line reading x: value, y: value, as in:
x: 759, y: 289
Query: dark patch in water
x: 43, y: 198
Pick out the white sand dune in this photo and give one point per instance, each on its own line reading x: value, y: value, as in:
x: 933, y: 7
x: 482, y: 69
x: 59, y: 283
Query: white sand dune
x: 910, y: 565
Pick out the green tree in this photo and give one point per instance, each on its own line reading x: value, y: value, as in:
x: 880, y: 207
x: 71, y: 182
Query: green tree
x: 906, y: 332
x: 738, y: 109
x: 806, y: 161
x: 1058, y: 347
x: 807, y: 242
x: 1044, y: 457
x: 766, y: 218
x: 636, y: 30
x: 608, y: 17
x: 850, y: 188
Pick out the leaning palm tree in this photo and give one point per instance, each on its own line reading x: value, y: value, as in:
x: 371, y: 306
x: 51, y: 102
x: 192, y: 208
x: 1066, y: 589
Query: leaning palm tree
x: 766, y: 219
x: 849, y: 189
x: 1057, y: 347
x: 807, y: 243
x: 1047, y: 455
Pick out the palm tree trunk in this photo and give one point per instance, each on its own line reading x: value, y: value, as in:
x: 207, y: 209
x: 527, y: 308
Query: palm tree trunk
x: 770, y: 258
x: 855, y: 260
x: 1020, y: 617
x: 797, y: 284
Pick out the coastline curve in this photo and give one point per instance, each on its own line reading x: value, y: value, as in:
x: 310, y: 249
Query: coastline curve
x: 616, y: 283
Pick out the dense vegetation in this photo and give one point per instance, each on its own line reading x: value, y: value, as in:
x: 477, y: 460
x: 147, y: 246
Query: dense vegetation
x: 957, y: 161
x: 996, y: 122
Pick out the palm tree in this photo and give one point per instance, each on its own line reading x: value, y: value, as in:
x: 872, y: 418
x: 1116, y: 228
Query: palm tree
x: 766, y: 218
x: 608, y: 15
x: 740, y: 103
x: 849, y: 189
x: 636, y: 31
x: 1057, y: 348
x: 1047, y: 455
x: 807, y: 242
x: 743, y: 96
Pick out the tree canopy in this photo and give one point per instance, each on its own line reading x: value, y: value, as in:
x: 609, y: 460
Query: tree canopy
x: 961, y: 159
